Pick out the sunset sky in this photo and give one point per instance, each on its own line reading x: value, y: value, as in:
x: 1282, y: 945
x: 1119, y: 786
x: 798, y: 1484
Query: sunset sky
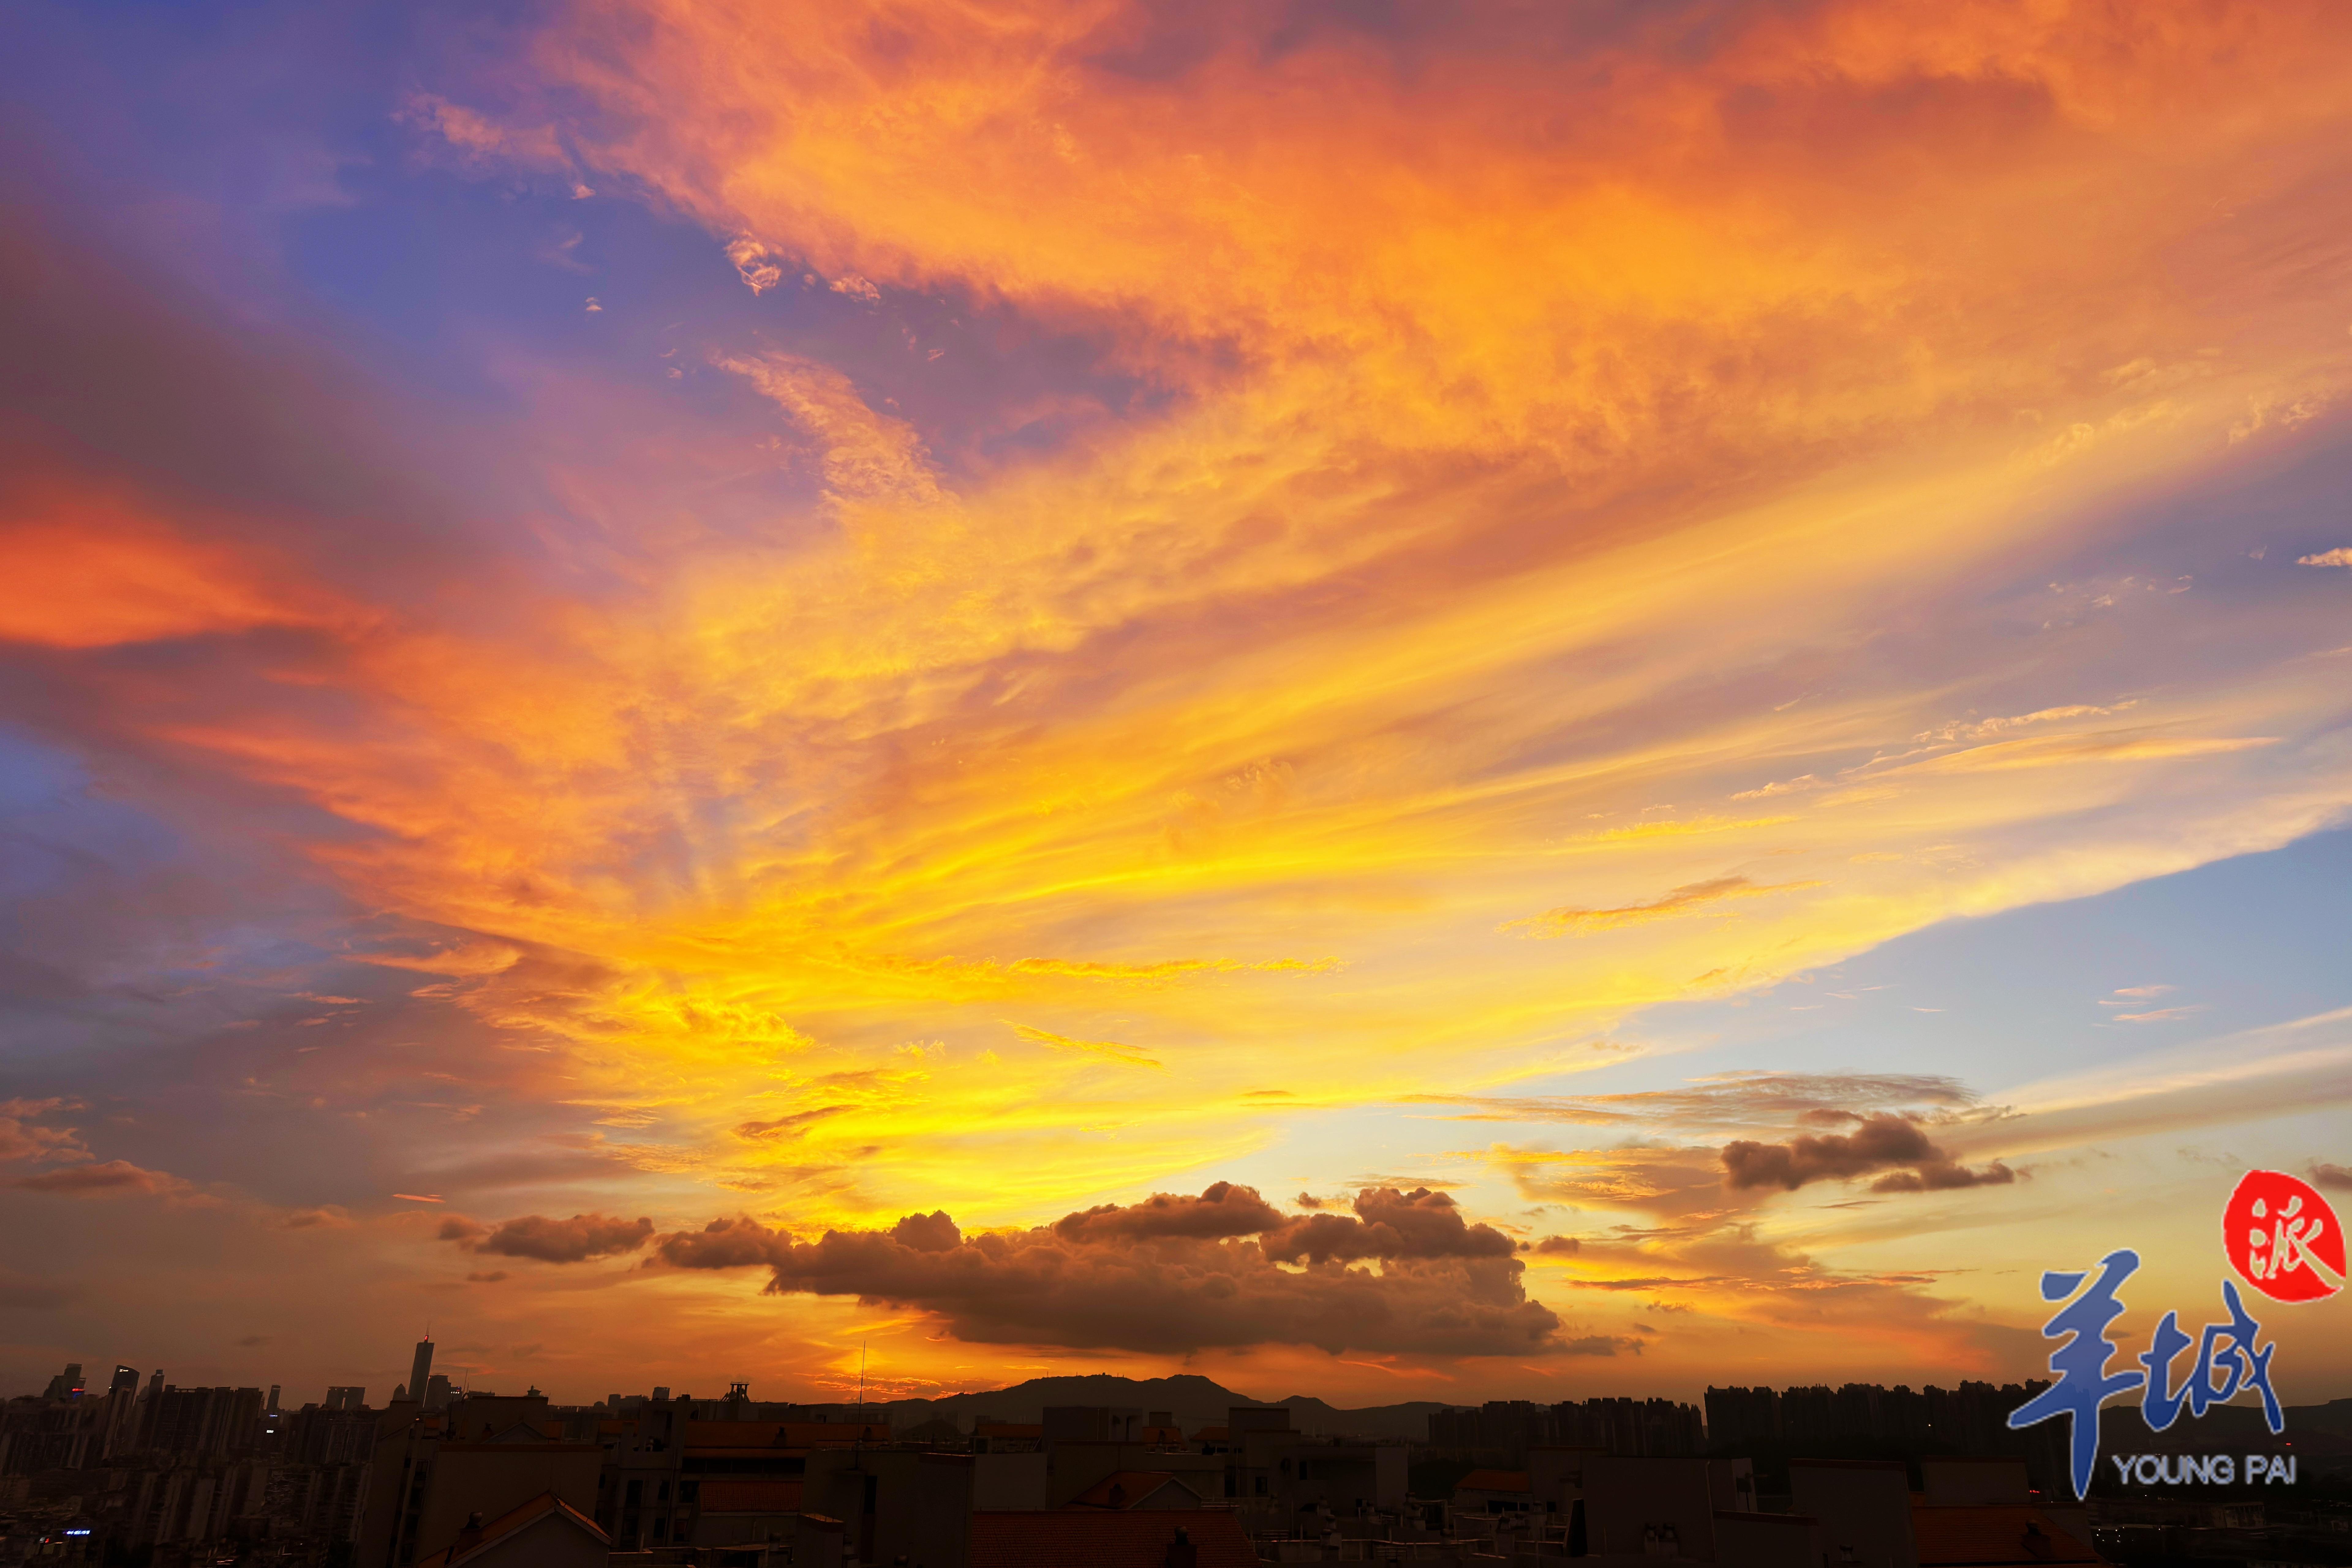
x: 1640, y: 694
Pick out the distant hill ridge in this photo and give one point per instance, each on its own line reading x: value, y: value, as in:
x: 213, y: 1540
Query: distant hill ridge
x: 1195, y: 1400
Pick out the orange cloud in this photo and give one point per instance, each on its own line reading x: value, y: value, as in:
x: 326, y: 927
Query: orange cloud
x: 84, y: 567
x: 1389, y: 201
x: 1547, y: 431
x: 1172, y: 1274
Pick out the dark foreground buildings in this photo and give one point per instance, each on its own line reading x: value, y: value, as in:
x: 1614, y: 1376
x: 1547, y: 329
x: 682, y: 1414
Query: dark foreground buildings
x: 1859, y: 1476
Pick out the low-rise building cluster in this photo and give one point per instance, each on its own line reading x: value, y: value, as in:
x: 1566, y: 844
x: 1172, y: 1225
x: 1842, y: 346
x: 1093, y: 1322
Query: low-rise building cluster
x: 156, y: 1475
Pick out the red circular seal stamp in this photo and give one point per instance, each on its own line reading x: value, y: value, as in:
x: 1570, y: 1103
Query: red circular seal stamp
x: 2283, y: 1236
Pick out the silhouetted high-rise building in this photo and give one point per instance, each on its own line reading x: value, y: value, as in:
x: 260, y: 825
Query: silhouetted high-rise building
x: 203, y: 1422
x: 1743, y: 1415
x: 121, y: 1409
x: 421, y: 1368
x: 437, y: 1393
x: 1860, y: 1417
x: 330, y: 1434
x: 346, y: 1396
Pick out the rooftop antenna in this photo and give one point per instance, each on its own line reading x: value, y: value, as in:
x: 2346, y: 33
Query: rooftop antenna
x: 861, y: 1378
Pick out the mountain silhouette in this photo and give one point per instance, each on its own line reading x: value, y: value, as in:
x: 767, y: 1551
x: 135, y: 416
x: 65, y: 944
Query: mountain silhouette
x: 1195, y: 1402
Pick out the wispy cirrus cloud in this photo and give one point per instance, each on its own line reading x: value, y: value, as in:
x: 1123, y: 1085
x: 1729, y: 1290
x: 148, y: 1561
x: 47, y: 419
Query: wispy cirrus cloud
x: 1110, y: 1048
x: 1738, y: 1098
x: 1981, y: 729
x: 2199, y: 1083
x: 1159, y: 565
x: 1691, y: 897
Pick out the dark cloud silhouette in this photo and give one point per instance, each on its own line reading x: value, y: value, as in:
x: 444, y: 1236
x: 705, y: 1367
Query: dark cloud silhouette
x: 1176, y: 1273
x: 1176, y: 1294
x: 2336, y: 1178
x: 933, y: 1231
x: 573, y: 1240
x: 1221, y: 1209
x: 1880, y: 1143
x: 1559, y: 1245
x: 1391, y: 1224
x: 1943, y: 1175
x: 722, y: 1244
x: 1600, y: 1344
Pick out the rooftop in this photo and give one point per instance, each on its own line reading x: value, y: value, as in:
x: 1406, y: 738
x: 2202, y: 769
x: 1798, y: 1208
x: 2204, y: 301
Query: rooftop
x: 1129, y: 1488
x: 475, y: 1537
x: 1094, y: 1538
x: 1978, y: 1535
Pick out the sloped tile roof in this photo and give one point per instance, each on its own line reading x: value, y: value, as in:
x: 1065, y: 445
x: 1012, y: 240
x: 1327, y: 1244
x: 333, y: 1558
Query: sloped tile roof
x: 1099, y: 1538
x: 506, y: 1523
x: 1131, y: 1486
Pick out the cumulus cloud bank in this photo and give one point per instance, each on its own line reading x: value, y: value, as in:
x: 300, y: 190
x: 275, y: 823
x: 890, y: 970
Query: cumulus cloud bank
x: 1176, y: 1273
x: 1222, y: 1210
x: 1006, y: 721
x: 1392, y: 1224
